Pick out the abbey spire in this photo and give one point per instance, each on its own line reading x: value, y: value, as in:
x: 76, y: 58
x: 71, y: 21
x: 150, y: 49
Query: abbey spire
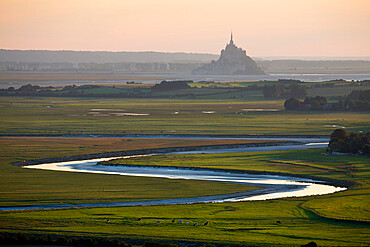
x: 231, y: 39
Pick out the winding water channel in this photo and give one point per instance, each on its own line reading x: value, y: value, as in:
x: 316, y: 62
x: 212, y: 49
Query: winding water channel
x: 274, y: 186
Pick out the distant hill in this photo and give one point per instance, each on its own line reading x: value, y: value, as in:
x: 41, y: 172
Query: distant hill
x: 164, y: 62
x: 100, y: 57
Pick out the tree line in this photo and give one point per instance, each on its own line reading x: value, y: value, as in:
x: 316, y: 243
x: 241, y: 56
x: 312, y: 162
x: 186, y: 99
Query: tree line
x: 357, y: 100
x: 284, y: 91
x: 170, y: 86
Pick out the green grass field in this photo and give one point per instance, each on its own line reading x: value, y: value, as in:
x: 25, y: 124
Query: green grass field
x: 316, y: 218
x: 31, y: 115
x: 340, y: 219
x: 252, y: 223
x: 19, y: 186
x: 352, y: 204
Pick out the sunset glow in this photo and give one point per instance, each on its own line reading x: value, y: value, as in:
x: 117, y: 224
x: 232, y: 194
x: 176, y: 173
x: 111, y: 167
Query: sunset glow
x: 262, y: 27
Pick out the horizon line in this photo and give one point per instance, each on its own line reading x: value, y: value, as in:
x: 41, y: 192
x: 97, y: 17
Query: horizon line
x: 194, y: 53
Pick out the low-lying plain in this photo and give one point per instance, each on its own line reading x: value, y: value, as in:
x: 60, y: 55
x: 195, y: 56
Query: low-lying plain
x: 58, y: 127
x: 76, y: 116
x: 22, y: 187
x: 330, y: 220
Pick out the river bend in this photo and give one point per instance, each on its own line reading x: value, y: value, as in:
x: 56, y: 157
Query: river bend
x: 274, y: 186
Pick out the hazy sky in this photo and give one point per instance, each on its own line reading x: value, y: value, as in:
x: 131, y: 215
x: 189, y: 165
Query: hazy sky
x: 262, y: 27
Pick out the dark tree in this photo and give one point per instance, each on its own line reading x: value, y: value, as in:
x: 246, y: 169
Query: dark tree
x: 339, y: 133
x: 171, y: 85
x: 292, y: 104
x: 297, y: 91
x: 315, y: 103
x: 364, y: 95
x: 353, y: 142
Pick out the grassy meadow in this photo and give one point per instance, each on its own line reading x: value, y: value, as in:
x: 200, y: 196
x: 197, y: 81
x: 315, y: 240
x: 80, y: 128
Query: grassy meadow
x: 352, y: 204
x: 251, y: 223
x: 60, y: 116
x: 340, y: 219
x: 20, y: 187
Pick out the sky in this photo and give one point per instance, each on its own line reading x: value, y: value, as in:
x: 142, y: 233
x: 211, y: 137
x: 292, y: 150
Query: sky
x: 261, y: 27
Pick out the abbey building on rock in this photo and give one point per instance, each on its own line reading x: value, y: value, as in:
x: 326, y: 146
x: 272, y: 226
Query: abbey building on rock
x: 233, y: 61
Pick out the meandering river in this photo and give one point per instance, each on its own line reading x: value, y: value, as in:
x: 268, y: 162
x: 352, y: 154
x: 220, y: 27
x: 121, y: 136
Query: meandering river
x: 274, y: 186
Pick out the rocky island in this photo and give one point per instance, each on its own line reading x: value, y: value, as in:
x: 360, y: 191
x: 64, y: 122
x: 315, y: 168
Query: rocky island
x: 233, y: 61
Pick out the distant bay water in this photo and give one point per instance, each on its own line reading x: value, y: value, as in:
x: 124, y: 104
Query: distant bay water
x: 303, y: 77
x: 158, y: 77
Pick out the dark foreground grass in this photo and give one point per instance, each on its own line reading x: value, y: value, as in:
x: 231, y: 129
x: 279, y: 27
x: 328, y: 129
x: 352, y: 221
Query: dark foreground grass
x: 252, y: 223
x: 19, y: 186
x: 32, y: 115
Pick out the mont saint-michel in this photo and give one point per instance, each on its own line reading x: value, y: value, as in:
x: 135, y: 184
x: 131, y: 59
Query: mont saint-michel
x: 233, y: 61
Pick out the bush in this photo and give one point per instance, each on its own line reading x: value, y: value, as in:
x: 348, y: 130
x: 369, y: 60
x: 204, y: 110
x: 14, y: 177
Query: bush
x: 339, y: 133
x: 292, y: 104
x: 353, y: 142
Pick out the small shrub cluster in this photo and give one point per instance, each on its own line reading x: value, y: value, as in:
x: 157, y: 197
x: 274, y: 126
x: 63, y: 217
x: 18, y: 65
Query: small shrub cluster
x: 355, y: 143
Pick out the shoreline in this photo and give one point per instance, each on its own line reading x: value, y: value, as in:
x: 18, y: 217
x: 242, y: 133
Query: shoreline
x: 147, y: 151
x: 175, y: 201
